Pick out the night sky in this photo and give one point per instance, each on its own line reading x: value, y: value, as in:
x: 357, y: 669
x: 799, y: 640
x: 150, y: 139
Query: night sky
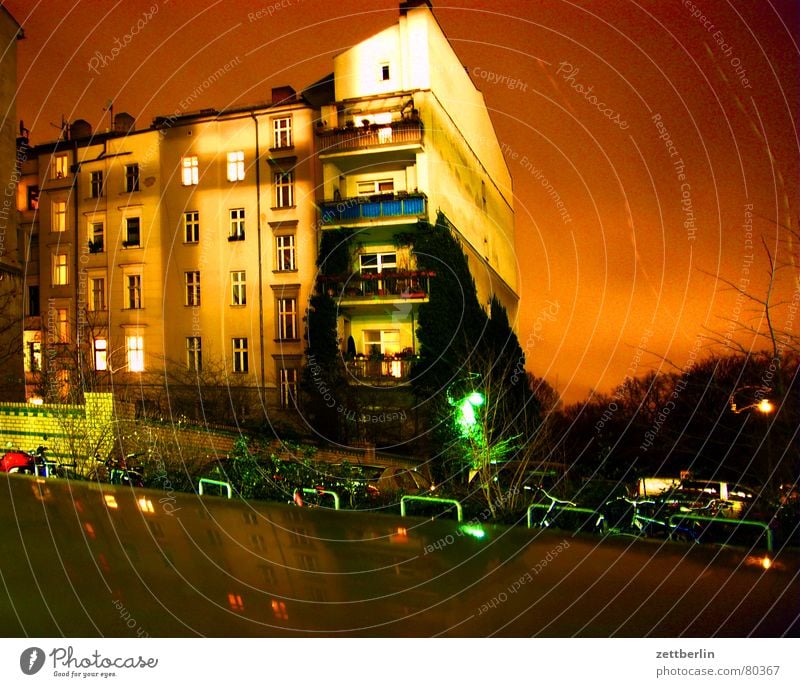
x: 653, y: 145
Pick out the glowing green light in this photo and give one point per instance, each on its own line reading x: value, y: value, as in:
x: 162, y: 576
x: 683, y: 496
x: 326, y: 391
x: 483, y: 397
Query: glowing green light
x: 475, y: 398
x: 473, y: 531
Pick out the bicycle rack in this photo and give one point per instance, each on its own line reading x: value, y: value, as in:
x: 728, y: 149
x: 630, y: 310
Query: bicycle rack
x: 729, y: 521
x: 571, y: 509
x: 216, y: 483
x: 431, y: 499
x: 325, y: 492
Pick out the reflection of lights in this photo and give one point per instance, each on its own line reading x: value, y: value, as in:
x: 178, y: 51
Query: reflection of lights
x: 279, y: 610
x: 400, y: 536
x: 36, y: 401
x: 89, y: 529
x: 146, y: 505
x: 111, y: 502
x: 473, y: 531
x: 235, y: 602
x: 766, y: 563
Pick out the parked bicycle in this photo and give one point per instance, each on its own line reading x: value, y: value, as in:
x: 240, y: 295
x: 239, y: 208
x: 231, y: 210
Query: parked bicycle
x: 118, y: 471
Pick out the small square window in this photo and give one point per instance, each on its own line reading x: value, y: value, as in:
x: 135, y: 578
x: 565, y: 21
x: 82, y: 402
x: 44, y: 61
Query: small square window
x: 385, y: 71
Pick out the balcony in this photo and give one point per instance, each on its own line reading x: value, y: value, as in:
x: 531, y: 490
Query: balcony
x: 389, y: 370
x: 352, y: 138
x: 380, y: 286
x: 374, y: 208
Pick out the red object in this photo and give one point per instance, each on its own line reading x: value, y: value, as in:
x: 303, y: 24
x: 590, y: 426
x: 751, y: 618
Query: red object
x: 16, y: 461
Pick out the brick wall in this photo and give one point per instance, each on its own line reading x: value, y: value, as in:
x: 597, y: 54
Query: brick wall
x: 70, y: 432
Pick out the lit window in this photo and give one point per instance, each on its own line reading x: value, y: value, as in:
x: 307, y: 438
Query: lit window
x: 97, y: 300
x: 134, y: 348
x: 97, y: 184
x: 33, y: 197
x: 368, y: 188
x: 133, y: 232
x: 189, y: 171
x: 240, y: 355
x: 60, y: 166
x: 191, y: 226
x: 100, y: 354
x: 60, y: 271
x: 238, y: 288
x: 134, y: 291
x: 284, y: 189
x: 287, y: 318
x: 236, y: 166
x: 237, y: 225
x: 285, y: 253
x: 33, y: 356
x: 62, y: 325
x: 194, y: 353
x: 131, y: 178
x: 192, y: 281
x: 59, y: 215
x: 282, y: 132
x: 96, y: 237
x: 288, y: 386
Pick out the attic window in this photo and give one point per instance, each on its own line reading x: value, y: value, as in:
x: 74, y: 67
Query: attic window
x: 385, y: 71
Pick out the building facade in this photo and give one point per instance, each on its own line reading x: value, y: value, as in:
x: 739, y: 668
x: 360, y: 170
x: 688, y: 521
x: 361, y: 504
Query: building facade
x: 182, y: 256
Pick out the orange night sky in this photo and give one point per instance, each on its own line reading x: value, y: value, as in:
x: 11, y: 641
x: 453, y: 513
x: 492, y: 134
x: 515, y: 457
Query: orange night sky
x: 653, y: 145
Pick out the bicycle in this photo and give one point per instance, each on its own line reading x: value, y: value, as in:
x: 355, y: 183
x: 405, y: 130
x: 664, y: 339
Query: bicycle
x: 117, y: 471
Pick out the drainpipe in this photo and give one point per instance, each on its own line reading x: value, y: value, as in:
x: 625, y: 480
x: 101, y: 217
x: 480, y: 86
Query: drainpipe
x: 260, y: 276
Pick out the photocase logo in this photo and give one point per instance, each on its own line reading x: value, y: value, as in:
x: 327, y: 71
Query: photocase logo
x: 31, y: 660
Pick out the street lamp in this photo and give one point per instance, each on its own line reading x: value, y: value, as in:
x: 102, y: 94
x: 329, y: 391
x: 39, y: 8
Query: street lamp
x: 763, y: 405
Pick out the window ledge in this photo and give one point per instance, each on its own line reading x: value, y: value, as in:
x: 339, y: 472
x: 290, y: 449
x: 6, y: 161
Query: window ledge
x: 237, y: 237
x: 294, y: 271
x: 286, y: 340
x: 283, y: 207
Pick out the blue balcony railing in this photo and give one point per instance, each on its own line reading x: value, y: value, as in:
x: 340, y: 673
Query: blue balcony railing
x: 374, y: 208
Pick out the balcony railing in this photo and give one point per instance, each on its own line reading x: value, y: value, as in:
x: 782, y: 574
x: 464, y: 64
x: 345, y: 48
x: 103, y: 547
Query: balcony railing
x: 372, y: 208
x: 408, y: 284
x: 373, y: 135
x: 387, y: 370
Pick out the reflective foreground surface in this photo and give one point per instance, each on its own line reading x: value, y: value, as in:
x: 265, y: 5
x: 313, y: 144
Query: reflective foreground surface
x: 85, y: 559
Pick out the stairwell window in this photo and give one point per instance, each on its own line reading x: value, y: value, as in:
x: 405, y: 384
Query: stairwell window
x: 191, y: 226
x: 288, y: 386
x: 97, y: 294
x: 190, y: 174
x: 96, y: 184
x: 238, y: 288
x: 192, y: 286
x: 237, y: 225
x: 96, y: 237
x: 240, y: 362
x: 133, y: 291
x: 134, y: 351
x: 100, y: 347
x: 60, y: 271
x: 194, y: 353
x: 59, y: 208
x: 133, y: 232
x: 287, y: 319
x: 284, y: 189
x: 285, y: 253
x: 132, y: 178
x: 236, y: 166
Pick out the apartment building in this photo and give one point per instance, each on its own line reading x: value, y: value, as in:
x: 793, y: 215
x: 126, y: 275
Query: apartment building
x: 404, y: 134
x: 186, y: 252
x: 175, y: 256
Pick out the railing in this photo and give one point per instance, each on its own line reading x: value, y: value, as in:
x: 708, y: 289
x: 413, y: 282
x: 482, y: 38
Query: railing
x: 430, y: 499
x: 388, y: 369
x: 409, y: 285
x: 355, y: 137
x: 376, y: 207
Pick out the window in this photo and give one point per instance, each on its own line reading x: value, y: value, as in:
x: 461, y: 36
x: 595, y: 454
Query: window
x: 33, y: 355
x: 285, y: 253
x: 369, y: 188
x: 194, y: 353
x: 60, y: 166
x: 96, y: 236
x: 282, y: 132
x: 133, y: 286
x: 132, y: 178
x: 191, y: 226
x: 134, y: 349
x: 192, y: 280
x: 287, y: 318
x: 33, y: 300
x: 238, y: 290
x: 62, y: 325
x: 384, y: 67
x: 33, y: 197
x: 100, y: 354
x: 237, y: 225
x: 133, y: 232
x: 189, y: 171
x: 284, y: 189
x: 384, y: 341
x: 97, y: 295
x: 288, y: 386
x: 240, y: 355
x: 59, y: 215
x: 236, y: 166
x: 60, y: 271
x: 375, y: 263
x: 96, y: 184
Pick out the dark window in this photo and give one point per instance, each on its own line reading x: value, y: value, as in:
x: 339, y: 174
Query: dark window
x: 33, y: 197
x: 132, y: 178
x: 33, y: 301
x: 97, y: 184
x: 132, y: 231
